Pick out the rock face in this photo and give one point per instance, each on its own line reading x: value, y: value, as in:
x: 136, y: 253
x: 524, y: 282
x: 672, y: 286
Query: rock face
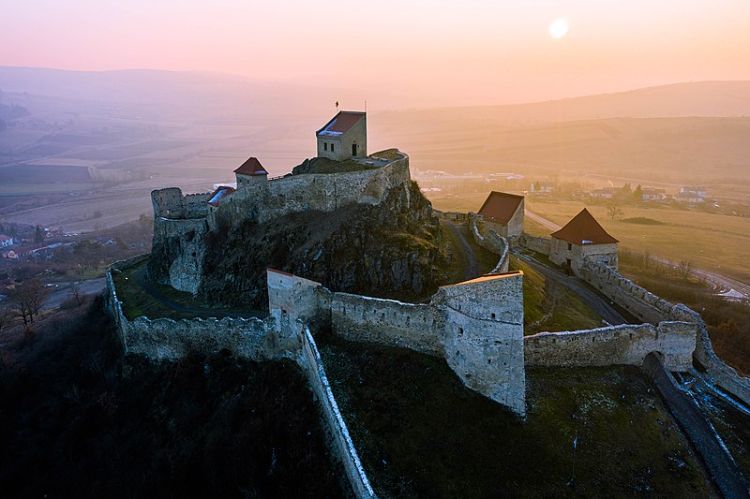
x: 387, y: 249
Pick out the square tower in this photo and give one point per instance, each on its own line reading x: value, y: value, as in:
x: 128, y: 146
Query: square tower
x: 344, y: 136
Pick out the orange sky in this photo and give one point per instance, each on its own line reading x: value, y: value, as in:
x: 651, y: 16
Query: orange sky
x: 412, y: 52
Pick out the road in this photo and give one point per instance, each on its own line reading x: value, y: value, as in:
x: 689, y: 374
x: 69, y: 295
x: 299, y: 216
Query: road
x: 62, y: 292
x: 696, y: 426
x: 472, y: 264
x: 590, y: 297
x: 728, y: 287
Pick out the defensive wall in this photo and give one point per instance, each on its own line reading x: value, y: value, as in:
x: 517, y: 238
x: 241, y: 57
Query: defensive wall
x: 653, y: 309
x: 273, y: 338
x: 181, y: 222
x: 625, y: 345
x: 490, y: 240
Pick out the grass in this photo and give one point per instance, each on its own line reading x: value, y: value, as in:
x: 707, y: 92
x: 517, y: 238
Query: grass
x: 156, y: 300
x: 456, y: 264
x: 421, y: 433
x: 548, y: 306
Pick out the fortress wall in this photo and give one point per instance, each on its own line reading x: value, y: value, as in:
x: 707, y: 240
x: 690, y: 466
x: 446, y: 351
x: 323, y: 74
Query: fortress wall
x: 539, y: 244
x: 483, y: 323
x: 718, y: 371
x: 638, y: 301
x: 343, y: 446
x: 625, y: 344
x: 491, y: 241
x: 387, y: 322
x: 167, y: 202
x: 295, y: 298
x: 183, y: 241
x: 195, y: 205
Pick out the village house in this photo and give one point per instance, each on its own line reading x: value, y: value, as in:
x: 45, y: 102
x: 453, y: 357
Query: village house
x: 582, y: 239
x: 503, y: 213
x: 691, y: 195
x: 605, y: 193
x: 653, y: 194
x: 344, y: 137
x: 5, y: 241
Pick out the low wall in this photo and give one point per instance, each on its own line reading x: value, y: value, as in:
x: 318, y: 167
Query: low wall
x: 638, y: 301
x: 623, y: 345
x: 387, y: 322
x: 491, y: 241
x: 312, y: 364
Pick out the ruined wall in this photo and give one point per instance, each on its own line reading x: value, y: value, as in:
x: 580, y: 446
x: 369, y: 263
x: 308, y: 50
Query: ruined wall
x: 181, y: 248
x: 171, y: 203
x: 625, y: 344
x: 490, y: 240
x: 343, y: 445
x: 387, y: 322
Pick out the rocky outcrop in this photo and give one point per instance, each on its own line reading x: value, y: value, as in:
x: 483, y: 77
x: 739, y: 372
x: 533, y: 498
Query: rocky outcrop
x: 388, y: 249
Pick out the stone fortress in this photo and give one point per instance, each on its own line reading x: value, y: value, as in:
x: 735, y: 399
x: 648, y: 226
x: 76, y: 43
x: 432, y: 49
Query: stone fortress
x: 476, y: 325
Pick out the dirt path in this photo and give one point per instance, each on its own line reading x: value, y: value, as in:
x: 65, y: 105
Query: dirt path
x: 472, y: 264
x: 721, y: 467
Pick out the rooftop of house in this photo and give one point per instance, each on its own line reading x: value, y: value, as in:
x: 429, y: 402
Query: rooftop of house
x: 251, y: 167
x: 219, y: 194
x: 584, y: 229
x: 500, y: 207
x: 341, y: 123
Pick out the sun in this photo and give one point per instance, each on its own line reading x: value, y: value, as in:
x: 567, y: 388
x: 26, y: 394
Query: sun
x: 559, y: 28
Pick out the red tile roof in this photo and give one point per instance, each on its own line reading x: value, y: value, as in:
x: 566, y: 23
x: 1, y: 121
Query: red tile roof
x: 219, y: 194
x: 499, y: 207
x: 584, y: 229
x: 341, y: 123
x: 251, y: 167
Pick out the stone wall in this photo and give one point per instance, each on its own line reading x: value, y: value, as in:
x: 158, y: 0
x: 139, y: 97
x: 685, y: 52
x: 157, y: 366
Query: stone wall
x: 651, y: 308
x: 491, y: 241
x: 182, y: 242
x: 483, y: 336
x: 538, y: 244
x: 312, y: 365
x: 638, y: 301
x: 252, y: 338
x: 387, y: 322
x: 577, y: 255
x: 171, y: 203
x: 625, y: 344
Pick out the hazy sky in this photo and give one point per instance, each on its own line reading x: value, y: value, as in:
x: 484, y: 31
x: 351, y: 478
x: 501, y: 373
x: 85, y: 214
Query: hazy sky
x: 425, y: 51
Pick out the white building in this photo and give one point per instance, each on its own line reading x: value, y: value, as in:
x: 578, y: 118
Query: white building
x: 582, y: 239
x: 344, y: 137
x: 250, y: 173
x: 5, y: 241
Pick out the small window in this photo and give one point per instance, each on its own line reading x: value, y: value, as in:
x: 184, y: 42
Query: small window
x: 570, y: 247
x: 494, y: 317
x: 331, y: 147
x: 325, y: 146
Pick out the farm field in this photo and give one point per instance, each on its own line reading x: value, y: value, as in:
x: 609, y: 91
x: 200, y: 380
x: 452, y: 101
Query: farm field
x: 709, y: 241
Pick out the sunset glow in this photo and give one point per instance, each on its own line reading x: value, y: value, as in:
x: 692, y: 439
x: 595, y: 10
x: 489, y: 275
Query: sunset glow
x: 559, y: 28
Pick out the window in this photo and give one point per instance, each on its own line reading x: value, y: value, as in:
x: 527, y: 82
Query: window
x: 325, y: 146
x: 331, y: 147
x: 570, y: 246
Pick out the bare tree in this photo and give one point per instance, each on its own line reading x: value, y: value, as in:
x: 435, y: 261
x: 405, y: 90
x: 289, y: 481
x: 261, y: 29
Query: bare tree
x: 27, y: 299
x: 614, y: 211
x: 684, y: 268
x: 75, y: 290
x: 4, y: 317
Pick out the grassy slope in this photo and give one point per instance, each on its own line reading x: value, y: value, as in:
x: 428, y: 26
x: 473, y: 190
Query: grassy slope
x: 79, y: 420
x: 421, y: 433
x: 551, y: 307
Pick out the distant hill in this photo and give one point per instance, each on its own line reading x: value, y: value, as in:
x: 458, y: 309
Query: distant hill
x: 710, y: 98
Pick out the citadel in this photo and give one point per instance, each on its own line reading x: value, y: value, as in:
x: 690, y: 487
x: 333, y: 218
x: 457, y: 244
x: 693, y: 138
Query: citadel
x: 476, y: 325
